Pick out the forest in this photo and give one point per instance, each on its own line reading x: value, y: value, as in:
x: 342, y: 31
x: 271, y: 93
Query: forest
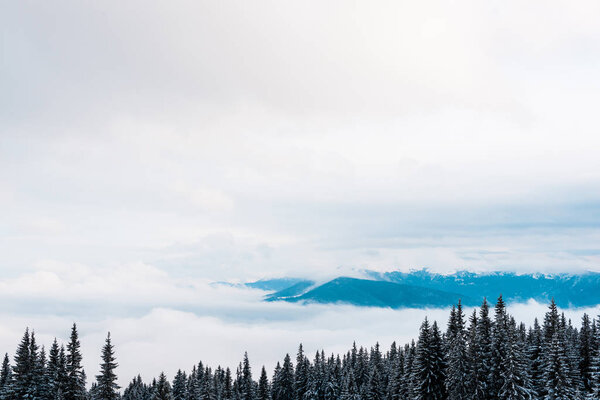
x: 486, y: 355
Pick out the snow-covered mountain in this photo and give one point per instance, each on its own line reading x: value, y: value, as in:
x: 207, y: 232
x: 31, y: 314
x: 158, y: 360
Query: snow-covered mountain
x: 425, y: 289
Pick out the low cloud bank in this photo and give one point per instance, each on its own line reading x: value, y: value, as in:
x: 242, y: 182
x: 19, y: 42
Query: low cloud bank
x: 161, y: 323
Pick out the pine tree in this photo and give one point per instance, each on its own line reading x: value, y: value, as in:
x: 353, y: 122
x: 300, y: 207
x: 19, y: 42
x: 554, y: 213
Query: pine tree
x: 498, y: 347
x: 427, y: 368
x: 53, y: 376
x: 301, y: 374
x: 23, y: 369
x: 481, y: 344
x: 179, y: 386
x: 207, y: 391
x: 42, y: 379
x: 515, y: 381
x: 285, y: 381
x: 374, y: 389
x: 107, y: 386
x: 247, y: 384
x: 227, y: 385
x: 5, y: 379
x: 75, y: 378
x: 458, y: 368
x: 162, y: 389
x: 136, y: 390
x: 535, y: 359
x: 473, y: 351
x: 594, y: 392
x: 551, y: 323
x: 397, y: 385
x: 349, y: 390
x: 264, y: 391
x: 557, y: 372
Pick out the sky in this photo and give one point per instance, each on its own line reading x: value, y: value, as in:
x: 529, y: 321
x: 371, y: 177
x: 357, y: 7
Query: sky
x: 149, y: 148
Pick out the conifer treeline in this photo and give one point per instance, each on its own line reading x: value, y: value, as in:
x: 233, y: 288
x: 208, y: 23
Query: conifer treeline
x: 488, y: 357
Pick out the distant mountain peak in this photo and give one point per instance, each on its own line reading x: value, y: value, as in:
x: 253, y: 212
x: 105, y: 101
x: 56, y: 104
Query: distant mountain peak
x: 422, y: 288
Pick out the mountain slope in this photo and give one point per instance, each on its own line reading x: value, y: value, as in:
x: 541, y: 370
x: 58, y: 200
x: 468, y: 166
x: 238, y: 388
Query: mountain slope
x: 568, y: 290
x: 278, y: 284
x: 362, y: 292
x: 425, y: 289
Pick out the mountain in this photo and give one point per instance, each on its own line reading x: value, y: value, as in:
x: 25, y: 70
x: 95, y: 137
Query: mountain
x: 425, y: 289
x: 279, y: 284
x: 363, y: 292
x: 568, y: 290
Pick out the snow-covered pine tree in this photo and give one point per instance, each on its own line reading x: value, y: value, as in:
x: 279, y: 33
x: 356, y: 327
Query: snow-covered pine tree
x: 264, y: 391
x: 53, y: 371
x: 481, y: 345
x: 515, y: 381
x: 551, y: 323
x: 42, y: 381
x: 5, y: 378
x: 207, y: 391
x: 285, y: 381
x: 227, y: 385
x: 457, y: 363
x: 162, y: 389
x: 330, y: 385
x: 37, y: 366
x: 361, y: 369
x: 594, y: 392
x: 428, y: 375
x: 349, y: 388
x: 192, y: 386
x: 586, y: 350
x: 498, y: 346
x: 397, y: 385
x: 410, y: 352
x: 247, y: 384
x: 275, y: 380
x: 301, y: 374
x: 313, y: 391
x: 571, y: 339
x: 23, y: 369
x: 179, y: 385
x: 373, y: 390
x: 557, y: 373
x: 75, y: 379
x: 472, y: 352
x: 535, y: 359
x: 107, y: 387
x: 438, y: 360
x: 136, y: 390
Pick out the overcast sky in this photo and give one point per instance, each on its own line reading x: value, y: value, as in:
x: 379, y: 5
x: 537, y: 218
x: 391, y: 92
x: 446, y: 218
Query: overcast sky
x: 151, y: 147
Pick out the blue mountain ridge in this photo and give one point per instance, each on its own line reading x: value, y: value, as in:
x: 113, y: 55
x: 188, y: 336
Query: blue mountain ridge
x: 422, y: 288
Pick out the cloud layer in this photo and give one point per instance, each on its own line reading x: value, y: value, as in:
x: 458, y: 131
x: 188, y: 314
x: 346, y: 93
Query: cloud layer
x: 235, y: 141
x: 161, y: 323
